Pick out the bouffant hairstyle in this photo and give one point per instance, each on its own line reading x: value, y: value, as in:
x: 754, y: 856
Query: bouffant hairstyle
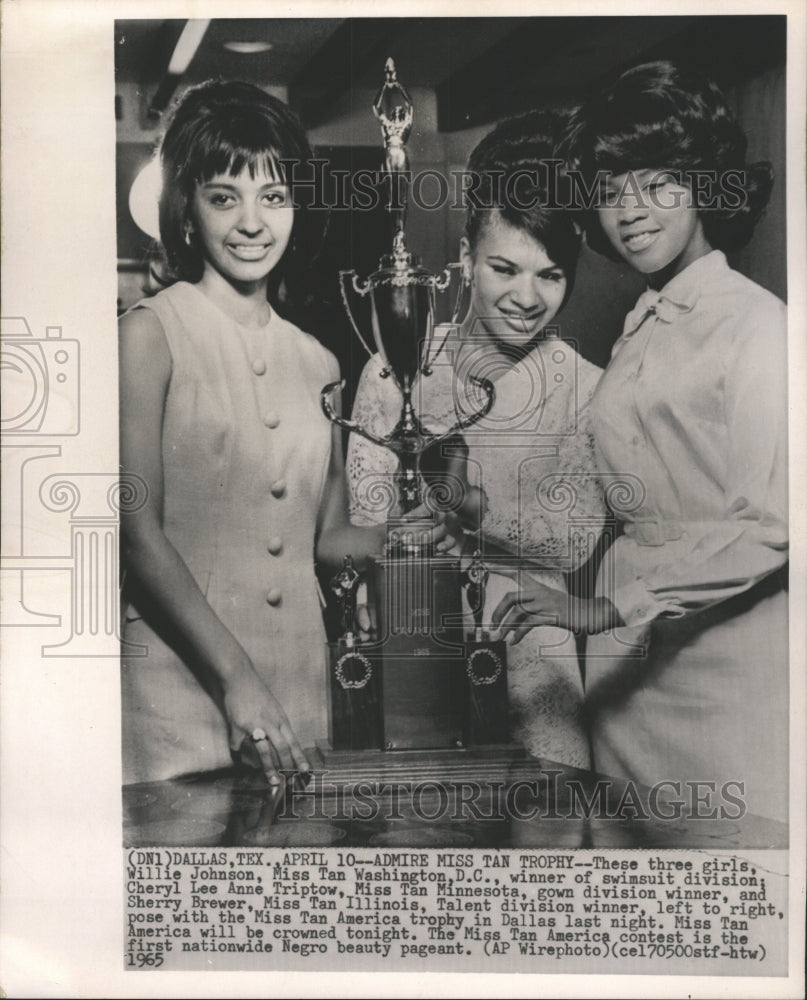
x: 514, y: 177
x: 663, y: 116
x: 223, y: 127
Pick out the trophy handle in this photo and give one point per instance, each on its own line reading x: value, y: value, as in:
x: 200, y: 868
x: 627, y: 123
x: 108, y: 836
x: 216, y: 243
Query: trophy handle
x: 361, y: 288
x: 440, y: 283
x: 336, y: 418
x: 455, y: 312
x: 487, y: 387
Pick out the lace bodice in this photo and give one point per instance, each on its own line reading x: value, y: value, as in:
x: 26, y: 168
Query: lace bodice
x: 533, y: 455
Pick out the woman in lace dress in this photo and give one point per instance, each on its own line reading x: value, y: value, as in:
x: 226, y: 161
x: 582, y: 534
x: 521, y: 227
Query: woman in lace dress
x: 529, y: 499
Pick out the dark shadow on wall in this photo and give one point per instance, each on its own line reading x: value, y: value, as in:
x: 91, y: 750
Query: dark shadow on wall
x: 760, y: 105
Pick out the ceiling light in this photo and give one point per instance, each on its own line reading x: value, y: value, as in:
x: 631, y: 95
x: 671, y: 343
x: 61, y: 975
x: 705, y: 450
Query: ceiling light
x: 247, y: 48
x: 184, y: 51
x: 186, y: 47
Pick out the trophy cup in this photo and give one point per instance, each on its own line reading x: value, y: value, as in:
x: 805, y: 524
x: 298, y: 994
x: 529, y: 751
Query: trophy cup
x: 416, y: 674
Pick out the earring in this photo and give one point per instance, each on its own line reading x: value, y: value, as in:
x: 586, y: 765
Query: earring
x: 188, y: 234
x: 466, y: 279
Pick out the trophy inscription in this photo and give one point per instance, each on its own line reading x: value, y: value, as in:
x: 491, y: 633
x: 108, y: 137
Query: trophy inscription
x: 419, y: 669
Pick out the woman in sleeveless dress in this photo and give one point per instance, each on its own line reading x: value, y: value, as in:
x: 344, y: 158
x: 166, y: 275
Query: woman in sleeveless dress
x: 528, y: 497
x: 243, y: 475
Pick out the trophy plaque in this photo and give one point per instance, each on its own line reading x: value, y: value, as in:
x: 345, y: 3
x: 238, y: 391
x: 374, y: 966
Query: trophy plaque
x: 421, y: 684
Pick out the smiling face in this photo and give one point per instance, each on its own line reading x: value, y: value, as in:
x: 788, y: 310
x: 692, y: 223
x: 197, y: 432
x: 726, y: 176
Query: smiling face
x: 652, y: 223
x: 516, y: 288
x: 242, y: 224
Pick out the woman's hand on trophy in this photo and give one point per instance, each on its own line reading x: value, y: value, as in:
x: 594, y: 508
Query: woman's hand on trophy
x: 441, y: 536
x: 365, y: 616
x: 443, y: 467
x: 445, y: 470
x: 446, y: 532
x: 535, y: 604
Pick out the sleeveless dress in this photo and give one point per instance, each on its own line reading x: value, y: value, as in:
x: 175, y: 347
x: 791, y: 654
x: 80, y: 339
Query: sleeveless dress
x: 533, y: 457
x: 693, y: 407
x: 246, y: 450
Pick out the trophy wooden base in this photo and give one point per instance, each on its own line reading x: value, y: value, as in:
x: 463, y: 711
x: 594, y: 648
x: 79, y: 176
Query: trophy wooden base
x: 420, y: 686
x: 420, y: 648
x: 472, y: 764
x: 435, y: 703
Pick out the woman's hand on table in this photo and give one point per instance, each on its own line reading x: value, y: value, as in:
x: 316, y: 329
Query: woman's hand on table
x: 258, y: 727
x: 534, y: 604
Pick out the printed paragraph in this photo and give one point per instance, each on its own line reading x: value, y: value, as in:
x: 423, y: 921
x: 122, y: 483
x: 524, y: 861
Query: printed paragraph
x: 620, y: 911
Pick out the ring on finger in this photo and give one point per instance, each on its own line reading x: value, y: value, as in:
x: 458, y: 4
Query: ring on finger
x: 259, y: 735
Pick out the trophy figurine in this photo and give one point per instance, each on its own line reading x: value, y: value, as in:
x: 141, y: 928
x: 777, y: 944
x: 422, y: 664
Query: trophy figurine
x: 345, y: 586
x: 475, y: 578
x: 420, y: 649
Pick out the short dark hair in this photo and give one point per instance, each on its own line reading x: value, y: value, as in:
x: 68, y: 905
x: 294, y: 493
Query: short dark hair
x: 664, y: 116
x: 514, y: 177
x: 223, y: 127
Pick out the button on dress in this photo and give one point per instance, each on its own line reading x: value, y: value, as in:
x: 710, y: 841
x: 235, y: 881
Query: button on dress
x: 241, y: 501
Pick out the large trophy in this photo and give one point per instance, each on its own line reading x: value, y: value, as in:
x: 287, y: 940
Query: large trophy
x: 421, y: 684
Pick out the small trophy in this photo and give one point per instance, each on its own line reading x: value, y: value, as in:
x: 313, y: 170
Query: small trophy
x: 485, y: 666
x: 353, y: 678
x: 345, y: 585
x: 416, y: 593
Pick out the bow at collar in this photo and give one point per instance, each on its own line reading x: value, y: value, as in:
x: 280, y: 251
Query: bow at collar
x: 665, y: 305
x: 678, y: 296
